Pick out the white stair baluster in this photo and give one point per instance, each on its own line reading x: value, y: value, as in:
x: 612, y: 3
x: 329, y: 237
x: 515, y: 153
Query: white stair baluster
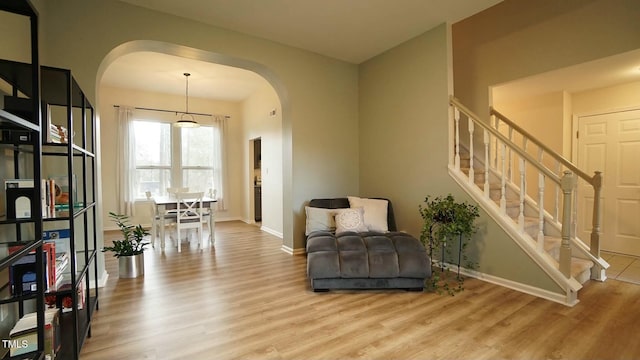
x: 471, y: 172
x: 497, y: 152
x: 510, y: 153
x: 540, y: 242
x: 503, y: 184
x: 456, y: 116
x: 522, y: 194
x: 556, y: 212
x: 486, y: 164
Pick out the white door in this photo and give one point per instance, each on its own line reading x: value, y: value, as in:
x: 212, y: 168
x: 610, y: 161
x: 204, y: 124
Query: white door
x: 611, y: 143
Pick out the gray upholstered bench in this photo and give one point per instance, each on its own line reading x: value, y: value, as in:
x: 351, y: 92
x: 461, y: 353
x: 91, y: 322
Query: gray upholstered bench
x: 365, y: 260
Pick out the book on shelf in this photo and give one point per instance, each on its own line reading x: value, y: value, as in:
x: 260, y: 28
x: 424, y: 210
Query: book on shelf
x: 24, y: 334
x: 49, y: 251
x: 61, y: 238
x: 56, y: 134
x: 20, y: 198
x: 22, y: 275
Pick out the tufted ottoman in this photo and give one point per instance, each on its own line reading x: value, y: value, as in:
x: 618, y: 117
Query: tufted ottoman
x: 366, y: 260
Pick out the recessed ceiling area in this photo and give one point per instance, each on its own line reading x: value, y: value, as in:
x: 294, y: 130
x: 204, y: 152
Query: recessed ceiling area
x: 613, y: 70
x: 162, y: 73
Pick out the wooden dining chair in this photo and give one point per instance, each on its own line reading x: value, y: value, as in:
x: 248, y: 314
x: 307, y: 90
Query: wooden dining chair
x: 209, y: 217
x: 172, y: 191
x: 189, y: 214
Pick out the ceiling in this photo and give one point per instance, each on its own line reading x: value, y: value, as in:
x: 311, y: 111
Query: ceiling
x: 609, y: 71
x: 327, y: 27
x: 162, y: 73
x: 348, y: 30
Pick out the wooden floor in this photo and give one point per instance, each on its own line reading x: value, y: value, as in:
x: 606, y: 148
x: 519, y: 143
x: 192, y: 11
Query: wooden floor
x: 246, y: 299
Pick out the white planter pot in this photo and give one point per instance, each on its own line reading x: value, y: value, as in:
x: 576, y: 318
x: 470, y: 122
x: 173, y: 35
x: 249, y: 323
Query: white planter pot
x: 131, y: 266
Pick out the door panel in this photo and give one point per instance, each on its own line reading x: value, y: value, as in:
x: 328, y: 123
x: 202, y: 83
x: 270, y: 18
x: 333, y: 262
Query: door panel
x: 611, y: 143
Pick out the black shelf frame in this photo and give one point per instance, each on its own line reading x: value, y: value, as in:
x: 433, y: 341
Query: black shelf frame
x: 25, y: 78
x: 60, y: 89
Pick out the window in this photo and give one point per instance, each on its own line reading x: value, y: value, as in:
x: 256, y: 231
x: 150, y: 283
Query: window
x: 152, y: 157
x: 166, y: 156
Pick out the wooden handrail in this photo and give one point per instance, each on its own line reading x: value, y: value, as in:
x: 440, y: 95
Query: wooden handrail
x: 569, y: 165
x: 506, y: 140
x: 565, y: 180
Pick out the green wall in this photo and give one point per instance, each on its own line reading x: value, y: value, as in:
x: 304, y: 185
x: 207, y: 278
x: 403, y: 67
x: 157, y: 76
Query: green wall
x: 318, y: 94
x: 403, y: 106
x: 520, y: 38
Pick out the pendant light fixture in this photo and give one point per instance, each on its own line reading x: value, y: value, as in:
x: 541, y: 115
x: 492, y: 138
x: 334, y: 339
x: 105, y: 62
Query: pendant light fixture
x: 186, y: 119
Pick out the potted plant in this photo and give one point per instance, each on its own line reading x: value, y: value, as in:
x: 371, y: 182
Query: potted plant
x: 130, y: 250
x: 447, y: 225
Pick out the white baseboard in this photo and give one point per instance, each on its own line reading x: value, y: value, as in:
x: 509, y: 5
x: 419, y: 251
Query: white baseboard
x: 102, y: 280
x: 524, y: 288
x: 272, y: 232
x: 292, y: 251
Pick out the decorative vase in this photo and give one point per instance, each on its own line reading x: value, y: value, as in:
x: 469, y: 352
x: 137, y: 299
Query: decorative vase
x: 131, y: 266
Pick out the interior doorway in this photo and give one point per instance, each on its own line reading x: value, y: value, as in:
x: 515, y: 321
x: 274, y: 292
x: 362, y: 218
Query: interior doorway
x: 255, y: 151
x: 610, y: 142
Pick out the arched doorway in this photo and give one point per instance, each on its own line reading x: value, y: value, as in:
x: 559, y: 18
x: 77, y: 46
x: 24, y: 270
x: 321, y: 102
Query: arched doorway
x: 236, y: 144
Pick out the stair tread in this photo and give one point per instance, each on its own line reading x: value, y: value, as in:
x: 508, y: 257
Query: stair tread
x: 579, y: 265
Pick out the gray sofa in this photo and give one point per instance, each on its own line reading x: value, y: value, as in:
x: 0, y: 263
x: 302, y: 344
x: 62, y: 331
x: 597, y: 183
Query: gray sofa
x: 365, y: 260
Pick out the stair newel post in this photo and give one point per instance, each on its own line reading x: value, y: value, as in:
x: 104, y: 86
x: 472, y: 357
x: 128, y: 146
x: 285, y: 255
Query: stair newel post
x: 503, y: 183
x: 540, y: 239
x: 597, y: 214
x: 523, y: 191
x: 456, y: 117
x: 471, y: 172
x: 567, y: 184
x: 486, y: 164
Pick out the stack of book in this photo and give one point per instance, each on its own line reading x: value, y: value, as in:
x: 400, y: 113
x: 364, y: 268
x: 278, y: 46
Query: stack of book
x: 58, y: 134
x: 22, y: 272
x: 23, y: 338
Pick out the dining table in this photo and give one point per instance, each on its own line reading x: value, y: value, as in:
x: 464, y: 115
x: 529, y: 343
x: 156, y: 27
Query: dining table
x: 164, y: 203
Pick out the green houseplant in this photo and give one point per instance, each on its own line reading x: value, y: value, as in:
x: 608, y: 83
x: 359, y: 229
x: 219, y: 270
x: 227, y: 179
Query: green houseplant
x: 130, y: 249
x: 447, y: 225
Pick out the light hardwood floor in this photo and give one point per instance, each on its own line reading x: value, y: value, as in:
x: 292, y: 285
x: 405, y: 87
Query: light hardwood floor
x: 246, y: 299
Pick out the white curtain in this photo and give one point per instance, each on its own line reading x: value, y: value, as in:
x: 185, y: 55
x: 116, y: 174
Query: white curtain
x: 125, y: 162
x: 219, y: 159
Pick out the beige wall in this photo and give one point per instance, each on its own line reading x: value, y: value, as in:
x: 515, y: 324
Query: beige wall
x: 110, y: 96
x: 519, y: 38
x: 16, y: 40
x: 404, y: 148
x: 319, y: 94
x: 542, y: 116
x: 610, y: 98
x: 258, y: 123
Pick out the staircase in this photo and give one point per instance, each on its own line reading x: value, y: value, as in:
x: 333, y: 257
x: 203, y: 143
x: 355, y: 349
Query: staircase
x: 498, y: 180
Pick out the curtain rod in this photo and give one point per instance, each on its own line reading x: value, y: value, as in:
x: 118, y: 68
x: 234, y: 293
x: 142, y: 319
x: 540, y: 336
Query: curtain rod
x: 171, y: 111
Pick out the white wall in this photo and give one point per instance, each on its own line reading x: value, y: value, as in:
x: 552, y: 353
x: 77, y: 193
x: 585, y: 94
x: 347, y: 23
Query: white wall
x: 110, y: 96
x: 257, y: 123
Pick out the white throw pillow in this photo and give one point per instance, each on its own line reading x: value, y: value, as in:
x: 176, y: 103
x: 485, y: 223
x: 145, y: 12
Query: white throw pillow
x: 375, y: 212
x: 319, y: 219
x: 350, y: 219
